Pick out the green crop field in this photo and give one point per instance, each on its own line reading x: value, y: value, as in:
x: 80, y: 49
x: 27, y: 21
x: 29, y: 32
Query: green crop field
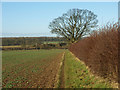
x: 30, y: 68
x: 55, y: 42
x: 46, y: 69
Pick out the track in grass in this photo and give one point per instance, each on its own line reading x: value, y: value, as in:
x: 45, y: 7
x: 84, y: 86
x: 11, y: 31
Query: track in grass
x: 31, y: 69
x: 61, y: 77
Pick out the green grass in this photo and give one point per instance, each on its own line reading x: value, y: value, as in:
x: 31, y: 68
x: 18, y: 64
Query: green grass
x: 55, y: 42
x: 22, y: 56
x: 78, y: 76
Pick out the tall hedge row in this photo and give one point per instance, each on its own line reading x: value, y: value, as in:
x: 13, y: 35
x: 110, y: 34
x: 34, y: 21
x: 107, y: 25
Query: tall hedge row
x: 99, y: 51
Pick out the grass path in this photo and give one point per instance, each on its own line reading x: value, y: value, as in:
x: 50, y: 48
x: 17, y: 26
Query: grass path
x: 78, y: 76
x: 61, y: 74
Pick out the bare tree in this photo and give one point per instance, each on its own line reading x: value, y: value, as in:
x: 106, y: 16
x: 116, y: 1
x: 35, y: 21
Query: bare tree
x: 74, y: 24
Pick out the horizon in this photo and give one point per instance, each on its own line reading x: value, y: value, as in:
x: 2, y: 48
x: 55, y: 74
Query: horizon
x: 31, y: 19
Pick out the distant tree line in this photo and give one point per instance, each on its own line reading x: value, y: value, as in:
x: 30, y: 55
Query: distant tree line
x: 29, y: 43
x: 29, y: 40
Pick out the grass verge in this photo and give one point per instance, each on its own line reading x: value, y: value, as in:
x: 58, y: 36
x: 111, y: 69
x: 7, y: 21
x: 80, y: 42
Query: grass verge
x: 77, y: 75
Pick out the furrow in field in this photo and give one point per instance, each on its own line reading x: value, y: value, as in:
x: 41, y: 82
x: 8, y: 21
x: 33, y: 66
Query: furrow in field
x: 61, y: 78
x: 34, y: 74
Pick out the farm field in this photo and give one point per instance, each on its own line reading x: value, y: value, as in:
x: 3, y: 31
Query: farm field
x: 55, y: 42
x: 16, y: 46
x: 53, y: 68
x: 30, y: 69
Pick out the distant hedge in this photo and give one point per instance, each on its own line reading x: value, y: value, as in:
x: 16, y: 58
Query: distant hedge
x: 38, y: 46
x: 10, y: 41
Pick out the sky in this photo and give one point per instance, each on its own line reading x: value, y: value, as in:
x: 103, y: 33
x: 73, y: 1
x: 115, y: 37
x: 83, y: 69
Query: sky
x: 31, y: 19
x: 119, y: 12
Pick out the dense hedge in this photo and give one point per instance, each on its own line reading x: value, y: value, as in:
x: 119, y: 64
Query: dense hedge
x: 99, y: 51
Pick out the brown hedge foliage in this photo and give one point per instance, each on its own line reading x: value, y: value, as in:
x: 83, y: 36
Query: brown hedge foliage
x: 99, y: 51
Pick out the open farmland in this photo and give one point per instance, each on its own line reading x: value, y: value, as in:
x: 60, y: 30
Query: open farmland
x: 31, y: 69
x: 47, y: 69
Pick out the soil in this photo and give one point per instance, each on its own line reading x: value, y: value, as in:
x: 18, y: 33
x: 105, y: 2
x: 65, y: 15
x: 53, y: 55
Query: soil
x: 44, y: 77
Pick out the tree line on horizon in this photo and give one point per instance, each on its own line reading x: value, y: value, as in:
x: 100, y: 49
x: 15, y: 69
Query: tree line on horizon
x: 30, y: 40
x: 29, y: 43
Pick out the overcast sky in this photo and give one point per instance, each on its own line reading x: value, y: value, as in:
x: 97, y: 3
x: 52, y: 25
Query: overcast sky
x: 33, y: 18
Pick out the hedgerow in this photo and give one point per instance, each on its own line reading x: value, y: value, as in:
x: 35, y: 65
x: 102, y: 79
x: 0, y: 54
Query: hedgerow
x: 99, y: 51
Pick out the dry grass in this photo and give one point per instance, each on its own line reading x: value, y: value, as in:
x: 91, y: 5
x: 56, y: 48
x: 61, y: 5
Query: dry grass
x: 17, y: 46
